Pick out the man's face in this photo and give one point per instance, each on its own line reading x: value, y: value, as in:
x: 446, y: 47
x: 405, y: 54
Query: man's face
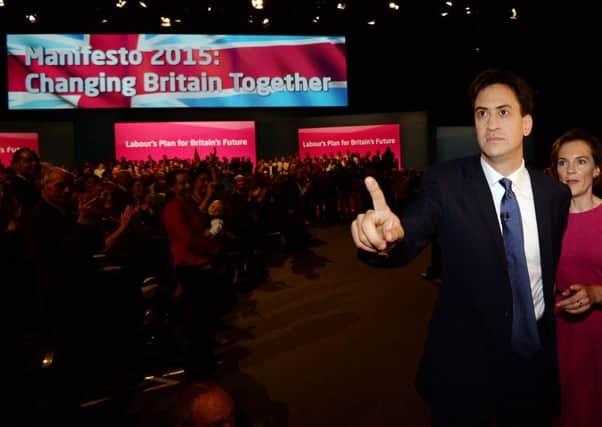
x: 92, y: 186
x: 201, y: 181
x: 240, y: 184
x: 58, y: 188
x: 182, y: 185
x: 124, y: 178
x: 28, y: 165
x: 499, y: 125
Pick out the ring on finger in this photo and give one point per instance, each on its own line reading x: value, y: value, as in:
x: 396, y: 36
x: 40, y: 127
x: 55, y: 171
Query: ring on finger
x: 580, y: 304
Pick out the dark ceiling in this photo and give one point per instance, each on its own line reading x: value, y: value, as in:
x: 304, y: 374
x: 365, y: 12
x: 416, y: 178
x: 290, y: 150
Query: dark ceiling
x: 469, y: 18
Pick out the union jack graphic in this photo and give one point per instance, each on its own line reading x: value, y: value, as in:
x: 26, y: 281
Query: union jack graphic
x: 167, y: 70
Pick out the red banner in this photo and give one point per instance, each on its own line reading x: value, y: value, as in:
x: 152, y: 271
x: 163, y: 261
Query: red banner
x: 12, y: 141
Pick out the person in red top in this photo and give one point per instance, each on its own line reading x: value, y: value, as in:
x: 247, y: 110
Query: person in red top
x: 193, y: 255
x: 576, y: 160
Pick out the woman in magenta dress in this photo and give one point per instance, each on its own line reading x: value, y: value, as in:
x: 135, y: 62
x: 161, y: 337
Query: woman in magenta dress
x: 576, y: 159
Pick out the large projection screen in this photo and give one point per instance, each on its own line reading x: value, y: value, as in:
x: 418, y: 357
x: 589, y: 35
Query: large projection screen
x: 139, y: 141
x: 72, y: 71
x: 363, y: 140
x: 10, y: 142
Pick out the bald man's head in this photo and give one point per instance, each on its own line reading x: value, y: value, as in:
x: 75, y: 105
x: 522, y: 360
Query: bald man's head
x: 207, y: 405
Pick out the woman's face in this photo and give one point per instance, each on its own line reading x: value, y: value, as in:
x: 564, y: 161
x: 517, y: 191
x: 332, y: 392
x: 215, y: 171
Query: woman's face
x: 576, y: 167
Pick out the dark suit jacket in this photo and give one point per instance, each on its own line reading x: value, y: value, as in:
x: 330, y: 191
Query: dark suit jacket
x: 27, y: 193
x: 59, y: 255
x: 467, y: 352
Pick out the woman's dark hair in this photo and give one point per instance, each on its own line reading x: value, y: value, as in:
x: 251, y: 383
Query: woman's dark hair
x: 19, y: 153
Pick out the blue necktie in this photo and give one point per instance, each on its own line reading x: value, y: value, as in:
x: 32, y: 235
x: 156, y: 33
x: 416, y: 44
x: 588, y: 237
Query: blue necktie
x: 525, y: 338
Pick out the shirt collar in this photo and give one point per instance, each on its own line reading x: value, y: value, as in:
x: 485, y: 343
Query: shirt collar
x: 520, y: 178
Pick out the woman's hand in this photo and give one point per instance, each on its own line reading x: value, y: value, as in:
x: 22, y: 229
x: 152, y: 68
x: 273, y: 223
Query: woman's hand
x: 579, y: 298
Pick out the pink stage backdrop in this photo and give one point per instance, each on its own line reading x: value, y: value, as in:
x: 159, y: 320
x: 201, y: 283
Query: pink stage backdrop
x: 137, y: 141
x: 12, y: 141
x: 352, y: 139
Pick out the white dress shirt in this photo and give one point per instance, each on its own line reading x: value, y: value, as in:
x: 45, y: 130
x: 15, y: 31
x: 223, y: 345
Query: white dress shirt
x: 521, y: 186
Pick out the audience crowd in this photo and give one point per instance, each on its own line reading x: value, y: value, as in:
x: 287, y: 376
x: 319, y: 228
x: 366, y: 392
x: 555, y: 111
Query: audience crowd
x: 127, y: 268
x: 107, y: 260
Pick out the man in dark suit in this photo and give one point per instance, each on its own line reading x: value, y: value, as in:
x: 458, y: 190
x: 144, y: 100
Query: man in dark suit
x: 472, y: 372
x: 26, y: 166
x: 58, y: 251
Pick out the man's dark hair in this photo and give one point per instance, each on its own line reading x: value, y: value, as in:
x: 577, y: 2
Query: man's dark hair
x: 516, y: 83
x: 19, y: 153
x: 170, y: 178
x: 201, y: 169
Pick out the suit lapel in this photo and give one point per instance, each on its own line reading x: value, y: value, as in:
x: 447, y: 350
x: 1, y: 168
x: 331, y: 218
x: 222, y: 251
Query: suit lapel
x: 542, y: 209
x: 480, y: 195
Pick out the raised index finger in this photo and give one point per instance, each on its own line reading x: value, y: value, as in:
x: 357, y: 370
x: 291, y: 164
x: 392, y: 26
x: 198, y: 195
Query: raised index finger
x: 376, y: 194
